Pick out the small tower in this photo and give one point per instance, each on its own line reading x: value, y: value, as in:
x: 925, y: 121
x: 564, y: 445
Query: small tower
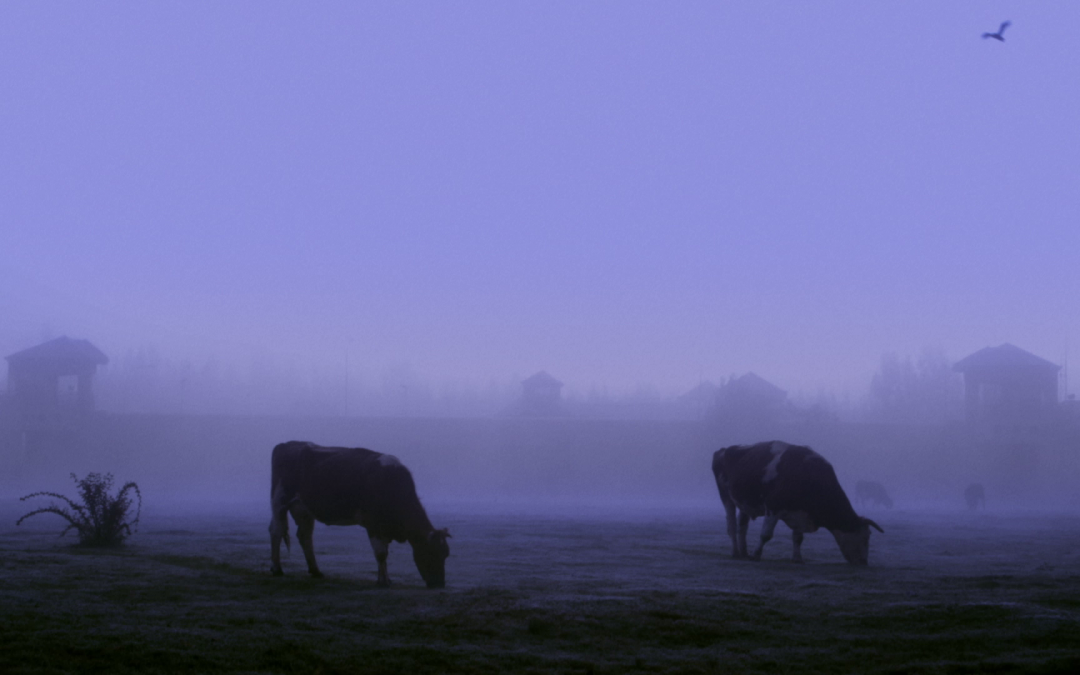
x: 1007, y: 385
x: 54, y: 378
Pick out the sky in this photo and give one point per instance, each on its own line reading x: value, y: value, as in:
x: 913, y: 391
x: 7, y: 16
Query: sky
x: 616, y: 192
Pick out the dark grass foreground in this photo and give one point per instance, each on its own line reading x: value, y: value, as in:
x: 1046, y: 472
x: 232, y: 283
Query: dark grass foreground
x: 109, y: 613
x: 145, y: 609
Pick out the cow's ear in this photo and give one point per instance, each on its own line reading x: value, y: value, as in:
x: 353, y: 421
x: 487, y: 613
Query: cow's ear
x: 873, y: 525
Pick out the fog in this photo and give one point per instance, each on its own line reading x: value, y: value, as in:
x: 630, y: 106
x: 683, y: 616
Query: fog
x: 369, y: 225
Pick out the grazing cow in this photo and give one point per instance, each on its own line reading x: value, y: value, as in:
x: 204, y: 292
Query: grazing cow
x: 873, y: 493
x: 974, y: 495
x: 790, y: 483
x: 351, y: 486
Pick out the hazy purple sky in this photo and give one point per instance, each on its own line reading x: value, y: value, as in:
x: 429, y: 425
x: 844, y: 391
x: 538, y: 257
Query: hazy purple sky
x: 617, y: 192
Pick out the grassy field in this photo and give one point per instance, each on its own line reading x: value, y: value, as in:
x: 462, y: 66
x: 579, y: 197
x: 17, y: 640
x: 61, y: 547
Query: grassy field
x: 574, y: 591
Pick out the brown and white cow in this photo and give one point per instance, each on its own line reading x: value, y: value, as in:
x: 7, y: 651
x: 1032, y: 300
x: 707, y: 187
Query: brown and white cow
x: 351, y: 486
x: 791, y: 483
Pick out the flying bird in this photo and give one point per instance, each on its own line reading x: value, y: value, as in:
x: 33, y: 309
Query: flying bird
x: 998, y: 35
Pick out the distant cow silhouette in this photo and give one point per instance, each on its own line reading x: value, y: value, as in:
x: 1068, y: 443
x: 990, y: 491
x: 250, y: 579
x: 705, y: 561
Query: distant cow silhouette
x: 975, y: 496
x: 873, y: 493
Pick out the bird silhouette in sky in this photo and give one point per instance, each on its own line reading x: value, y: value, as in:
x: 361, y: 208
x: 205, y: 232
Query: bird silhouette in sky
x: 998, y: 35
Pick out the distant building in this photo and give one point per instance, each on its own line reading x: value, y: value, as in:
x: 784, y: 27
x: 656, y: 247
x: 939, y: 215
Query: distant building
x: 53, y: 378
x: 541, y: 395
x: 1007, y: 385
x: 753, y: 399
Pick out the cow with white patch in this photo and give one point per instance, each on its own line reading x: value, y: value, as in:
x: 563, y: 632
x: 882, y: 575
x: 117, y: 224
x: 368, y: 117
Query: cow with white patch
x: 791, y: 483
x: 351, y: 486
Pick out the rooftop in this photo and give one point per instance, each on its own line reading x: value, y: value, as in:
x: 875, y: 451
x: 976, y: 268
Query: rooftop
x: 60, y: 349
x: 1002, y: 356
x: 541, y: 378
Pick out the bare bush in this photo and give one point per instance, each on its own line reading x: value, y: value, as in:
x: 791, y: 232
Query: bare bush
x: 101, y: 519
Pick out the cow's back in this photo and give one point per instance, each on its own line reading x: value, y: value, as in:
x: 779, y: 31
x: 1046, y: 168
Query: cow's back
x: 748, y: 472
x: 778, y: 477
x: 739, y: 466
x: 347, y: 486
x: 287, y: 468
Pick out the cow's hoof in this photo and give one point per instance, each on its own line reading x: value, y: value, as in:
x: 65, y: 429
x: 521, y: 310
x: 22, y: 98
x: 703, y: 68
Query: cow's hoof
x: 383, y: 583
x: 799, y: 561
x: 277, y: 572
x: 316, y: 574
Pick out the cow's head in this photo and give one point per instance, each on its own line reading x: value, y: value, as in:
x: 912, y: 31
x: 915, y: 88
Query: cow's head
x: 855, y: 544
x: 430, y: 554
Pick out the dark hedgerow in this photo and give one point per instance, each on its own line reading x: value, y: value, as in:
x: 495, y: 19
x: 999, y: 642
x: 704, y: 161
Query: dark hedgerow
x: 101, y: 519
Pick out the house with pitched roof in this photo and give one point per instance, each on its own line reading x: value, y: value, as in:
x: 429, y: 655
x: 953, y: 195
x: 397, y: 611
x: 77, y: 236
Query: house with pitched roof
x: 753, y: 399
x: 1008, y: 385
x: 54, y: 377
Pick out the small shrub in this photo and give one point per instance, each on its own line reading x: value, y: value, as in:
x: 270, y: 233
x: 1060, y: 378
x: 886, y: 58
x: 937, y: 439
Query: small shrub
x: 101, y: 519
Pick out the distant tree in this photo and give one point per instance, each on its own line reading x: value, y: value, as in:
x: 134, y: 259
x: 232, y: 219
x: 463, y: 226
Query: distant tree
x: 822, y: 408
x: 923, y: 390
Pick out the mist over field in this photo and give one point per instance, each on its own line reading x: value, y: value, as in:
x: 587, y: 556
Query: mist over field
x: 622, y: 451
x: 368, y: 226
x: 552, y: 256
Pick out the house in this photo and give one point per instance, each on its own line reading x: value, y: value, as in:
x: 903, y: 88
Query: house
x: 53, y: 378
x: 753, y: 399
x: 1007, y: 385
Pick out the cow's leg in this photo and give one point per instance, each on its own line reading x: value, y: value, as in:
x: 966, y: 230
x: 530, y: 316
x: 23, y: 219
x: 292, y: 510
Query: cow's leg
x: 729, y: 511
x: 744, y: 525
x: 305, y: 527
x: 279, y: 528
x: 732, y: 530
x: 381, y: 548
x: 796, y: 541
x: 766, y: 533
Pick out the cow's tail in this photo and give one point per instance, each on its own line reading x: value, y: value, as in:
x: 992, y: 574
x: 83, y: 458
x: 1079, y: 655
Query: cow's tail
x: 279, y: 524
x: 717, y: 469
x: 279, y: 517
